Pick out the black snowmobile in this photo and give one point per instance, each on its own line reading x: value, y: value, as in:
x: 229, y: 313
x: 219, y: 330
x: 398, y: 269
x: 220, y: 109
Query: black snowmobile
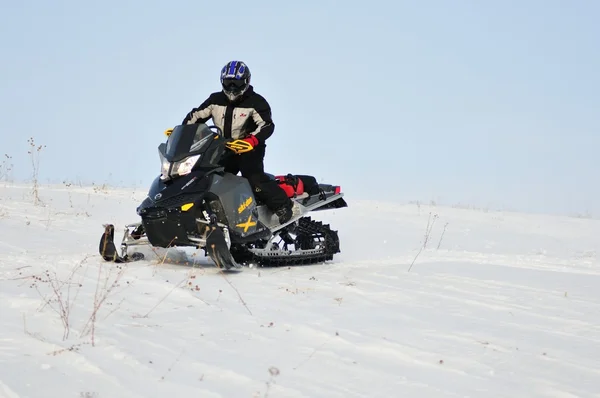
x: 194, y: 202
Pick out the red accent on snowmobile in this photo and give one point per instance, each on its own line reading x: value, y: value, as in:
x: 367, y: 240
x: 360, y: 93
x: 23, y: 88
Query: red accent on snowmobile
x: 289, y: 188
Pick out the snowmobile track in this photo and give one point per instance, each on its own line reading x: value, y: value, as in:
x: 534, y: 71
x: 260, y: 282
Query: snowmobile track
x: 308, y: 232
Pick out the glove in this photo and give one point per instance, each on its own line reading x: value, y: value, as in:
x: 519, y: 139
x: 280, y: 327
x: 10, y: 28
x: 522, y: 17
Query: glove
x: 168, y: 131
x: 244, y: 145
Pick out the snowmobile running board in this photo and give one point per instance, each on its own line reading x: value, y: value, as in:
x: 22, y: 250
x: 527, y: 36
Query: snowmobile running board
x: 270, y: 220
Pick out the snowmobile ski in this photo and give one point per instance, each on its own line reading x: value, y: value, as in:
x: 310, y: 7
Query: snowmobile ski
x: 217, y: 247
x: 108, y: 250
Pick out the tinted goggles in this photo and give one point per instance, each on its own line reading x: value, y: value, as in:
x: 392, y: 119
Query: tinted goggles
x: 234, y: 84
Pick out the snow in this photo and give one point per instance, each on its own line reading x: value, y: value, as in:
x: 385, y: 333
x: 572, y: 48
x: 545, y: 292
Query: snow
x: 496, y: 304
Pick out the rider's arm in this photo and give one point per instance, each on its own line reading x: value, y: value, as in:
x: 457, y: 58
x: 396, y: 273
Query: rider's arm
x: 262, y: 118
x: 200, y: 114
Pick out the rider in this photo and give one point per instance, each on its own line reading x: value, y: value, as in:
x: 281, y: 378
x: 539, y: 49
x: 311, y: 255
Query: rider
x: 242, y: 114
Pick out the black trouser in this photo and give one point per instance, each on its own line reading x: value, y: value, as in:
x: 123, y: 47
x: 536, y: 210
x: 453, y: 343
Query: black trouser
x: 251, y: 165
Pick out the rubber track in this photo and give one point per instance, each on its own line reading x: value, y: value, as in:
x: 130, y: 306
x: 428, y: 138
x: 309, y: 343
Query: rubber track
x: 306, y: 226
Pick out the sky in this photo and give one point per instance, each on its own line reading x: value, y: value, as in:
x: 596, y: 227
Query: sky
x: 488, y: 104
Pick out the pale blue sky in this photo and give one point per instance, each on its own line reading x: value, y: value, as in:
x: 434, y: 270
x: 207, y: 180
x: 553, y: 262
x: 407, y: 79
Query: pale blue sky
x: 481, y: 102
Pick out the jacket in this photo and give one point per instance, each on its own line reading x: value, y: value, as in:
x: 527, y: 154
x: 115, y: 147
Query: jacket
x: 250, y: 114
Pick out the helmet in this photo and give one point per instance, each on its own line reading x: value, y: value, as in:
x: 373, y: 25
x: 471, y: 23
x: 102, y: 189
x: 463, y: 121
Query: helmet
x: 235, y: 79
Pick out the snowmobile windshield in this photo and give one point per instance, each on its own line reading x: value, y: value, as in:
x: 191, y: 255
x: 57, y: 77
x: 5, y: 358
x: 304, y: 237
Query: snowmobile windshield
x: 187, y: 140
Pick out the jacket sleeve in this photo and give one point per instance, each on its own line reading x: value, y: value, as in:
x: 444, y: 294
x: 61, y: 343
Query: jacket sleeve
x: 200, y: 114
x: 264, y: 122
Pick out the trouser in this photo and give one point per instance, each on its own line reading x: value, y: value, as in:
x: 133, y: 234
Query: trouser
x: 251, y: 165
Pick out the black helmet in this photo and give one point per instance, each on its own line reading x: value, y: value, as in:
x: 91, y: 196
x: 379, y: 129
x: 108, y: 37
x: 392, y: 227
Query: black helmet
x: 235, y: 79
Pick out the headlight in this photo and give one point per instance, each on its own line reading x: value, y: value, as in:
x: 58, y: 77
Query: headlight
x: 184, y: 166
x: 180, y: 168
x: 164, y: 167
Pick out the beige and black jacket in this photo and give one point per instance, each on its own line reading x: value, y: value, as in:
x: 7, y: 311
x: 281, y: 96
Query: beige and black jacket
x: 251, y: 114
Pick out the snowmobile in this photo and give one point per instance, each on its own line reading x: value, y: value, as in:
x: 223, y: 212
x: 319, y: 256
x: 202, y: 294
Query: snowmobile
x: 195, y: 203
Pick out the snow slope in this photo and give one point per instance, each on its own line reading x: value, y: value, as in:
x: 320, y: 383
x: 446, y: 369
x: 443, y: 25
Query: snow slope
x: 508, y: 305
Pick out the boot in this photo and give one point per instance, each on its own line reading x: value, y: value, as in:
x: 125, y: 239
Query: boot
x: 284, y: 213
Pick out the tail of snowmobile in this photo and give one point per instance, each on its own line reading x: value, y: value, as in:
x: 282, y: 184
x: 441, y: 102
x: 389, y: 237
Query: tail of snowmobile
x: 195, y: 203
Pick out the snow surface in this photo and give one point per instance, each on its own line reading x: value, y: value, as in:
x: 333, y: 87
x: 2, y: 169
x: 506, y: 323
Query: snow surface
x: 496, y: 305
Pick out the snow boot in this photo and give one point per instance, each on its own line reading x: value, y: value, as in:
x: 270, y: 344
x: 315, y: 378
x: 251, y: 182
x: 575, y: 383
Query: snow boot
x: 285, y: 213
